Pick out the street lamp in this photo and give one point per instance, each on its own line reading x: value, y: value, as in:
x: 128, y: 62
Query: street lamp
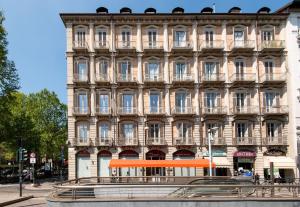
x: 145, y: 140
x: 210, y: 138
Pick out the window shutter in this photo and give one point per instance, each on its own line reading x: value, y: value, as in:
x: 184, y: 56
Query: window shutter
x: 205, y: 100
x: 248, y: 98
x: 277, y: 99
x: 250, y: 129
x: 217, y: 67
x: 146, y: 70
x: 161, y: 130
x: 121, y: 130
x: 130, y: 72
x: 218, y: 96
x: 234, y: 100
x: 189, y: 99
x: 219, y: 130
x: 134, y: 100
x: 160, y: 100
x: 109, y: 103
x: 76, y: 99
x: 279, y: 125
x: 120, y: 101
x: 190, y: 135
x: 119, y: 71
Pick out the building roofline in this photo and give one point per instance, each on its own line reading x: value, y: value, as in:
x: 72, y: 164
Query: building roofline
x: 293, y: 4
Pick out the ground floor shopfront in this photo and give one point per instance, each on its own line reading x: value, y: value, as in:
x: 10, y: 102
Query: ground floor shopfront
x: 89, y: 161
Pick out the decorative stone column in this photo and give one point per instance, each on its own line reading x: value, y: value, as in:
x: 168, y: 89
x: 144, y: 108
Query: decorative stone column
x: 91, y: 37
x: 166, y: 69
x: 224, y: 35
x: 166, y: 41
x: 93, y: 99
x: 112, y: 37
x: 92, y: 69
x: 167, y: 100
x: 139, y: 38
x: 197, y: 104
x: 69, y: 37
x: 194, y: 37
x: 196, y: 71
x: 140, y: 71
x: 140, y: 101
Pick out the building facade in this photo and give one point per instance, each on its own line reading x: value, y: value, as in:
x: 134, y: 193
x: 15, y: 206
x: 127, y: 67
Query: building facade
x: 293, y: 48
x: 157, y: 86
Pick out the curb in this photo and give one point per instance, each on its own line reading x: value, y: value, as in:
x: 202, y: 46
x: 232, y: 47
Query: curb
x: 16, y: 201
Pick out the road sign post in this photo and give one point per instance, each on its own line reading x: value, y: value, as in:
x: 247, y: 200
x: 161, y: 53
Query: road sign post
x: 20, y: 156
x: 33, y: 161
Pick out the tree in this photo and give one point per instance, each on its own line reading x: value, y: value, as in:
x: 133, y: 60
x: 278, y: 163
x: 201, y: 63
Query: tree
x: 9, y: 82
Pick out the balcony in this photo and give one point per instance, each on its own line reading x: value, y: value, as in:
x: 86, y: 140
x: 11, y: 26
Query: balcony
x: 104, y: 141
x: 80, y: 45
x: 101, y: 45
x: 182, y: 45
x: 127, y: 111
x: 155, y: 111
x: 273, y: 78
x: 183, y: 77
x: 183, y: 141
x: 125, y: 141
x: 126, y: 45
x: 213, y: 77
x: 215, y: 141
x: 154, y: 78
x: 273, y: 110
x: 183, y: 111
x: 126, y: 78
x: 103, y: 111
x: 79, y: 78
x: 278, y: 140
x: 102, y: 78
x: 242, y: 45
x: 216, y: 110
x: 272, y: 45
x: 244, y: 141
x: 81, y: 111
x: 156, y: 141
x: 245, y: 110
x: 215, y: 45
x: 242, y: 78
x: 153, y: 45
x: 82, y: 141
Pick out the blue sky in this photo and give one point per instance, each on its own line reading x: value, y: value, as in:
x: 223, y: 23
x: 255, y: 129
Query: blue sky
x: 36, y: 33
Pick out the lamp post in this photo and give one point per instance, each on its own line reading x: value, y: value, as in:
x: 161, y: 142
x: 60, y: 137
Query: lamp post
x: 145, y: 140
x: 210, y: 138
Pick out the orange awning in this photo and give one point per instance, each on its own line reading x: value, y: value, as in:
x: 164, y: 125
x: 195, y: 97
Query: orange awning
x: 202, y: 163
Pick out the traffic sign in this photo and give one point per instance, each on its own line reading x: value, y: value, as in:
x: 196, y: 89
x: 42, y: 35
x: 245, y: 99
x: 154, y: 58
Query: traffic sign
x: 32, y: 155
x: 32, y: 160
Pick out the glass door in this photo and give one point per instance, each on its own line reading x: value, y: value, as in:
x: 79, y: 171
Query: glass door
x: 154, y: 102
x: 152, y: 38
x: 127, y: 103
x: 82, y: 103
x: 153, y: 69
x: 104, y: 106
x: 180, y: 102
x: 239, y: 69
x: 180, y: 39
x: 209, y: 38
x: 210, y: 70
x: 102, y: 38
x: 239, y: 38
x: 180, y: 71
x: 126, y: 39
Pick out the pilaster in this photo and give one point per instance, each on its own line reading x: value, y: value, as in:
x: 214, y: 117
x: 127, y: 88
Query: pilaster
x: 91, y: 37
x: 194, y: 36
x: 166, y: 42
x: 167, y: 99
x: 139, y: 37
x: 224, y: 35
x: 140, y: 71
x: 69, y: 37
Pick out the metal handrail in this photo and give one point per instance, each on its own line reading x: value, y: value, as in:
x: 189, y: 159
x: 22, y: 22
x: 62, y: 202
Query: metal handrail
x: 242, y: 77
x: 213, y: 77
x: 153, y: 45
x: 126, y: 44
x: 101, y: 45
x: 213, y: 44
x: 242, y: 44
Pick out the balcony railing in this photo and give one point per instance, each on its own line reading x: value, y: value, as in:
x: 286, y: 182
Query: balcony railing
x: 126, y: 78
x: 154, y: 110
x: 101, y: 45
x: 242, y: 77
x: 80, y: 45
x: 273, y: 44
x: 128, y: 141
x: 213, y: 77
x: 156, y: 141
x: 214, y: 44
x: 104, y: 141
x: 215, y: 141
x: 183, y: 110
x: 244, y: 141
x: 184, y: 140
x: 102, y: 110
x: 269, y: 77
x: 102, y: 77
x: 126, y: 45
x: 278, y: 140
x: 182, y: 45
x: 127, y: 110
x: 280, y: 109
x: 81, y: 110
x: 245, y: 110
x: 79, y: 78
x: 214, y: 110
x: 153, y: 45
x: 183, y: 77
x: 82, y: 141
x: 154, y: 78
x: 242, y: 44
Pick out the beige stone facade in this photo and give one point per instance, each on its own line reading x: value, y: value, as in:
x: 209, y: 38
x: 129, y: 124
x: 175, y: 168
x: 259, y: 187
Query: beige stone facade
x: 150, y: 86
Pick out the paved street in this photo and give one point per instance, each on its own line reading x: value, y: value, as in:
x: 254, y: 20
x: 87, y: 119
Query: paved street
x: 11, y: 192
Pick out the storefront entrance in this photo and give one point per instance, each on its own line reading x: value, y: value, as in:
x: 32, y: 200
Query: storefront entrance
x: 104, y: 158
x: 83, y: 164
x: 128, y: 155
x: 184, y: 155
x: 155, y: 155
x: 243, y: 162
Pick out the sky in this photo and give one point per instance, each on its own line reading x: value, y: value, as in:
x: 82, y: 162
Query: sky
x: 36, y: 34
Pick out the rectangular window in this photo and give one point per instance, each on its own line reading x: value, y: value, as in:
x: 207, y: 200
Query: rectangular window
x: 82, y: 71
x: 104, y: 103
x: 210, y: 70
x: 102, y: 38
x: 211, y: 100
x: 209, y: 38
x: 180, y: 38
x: 103, y: 131
x: 83, y: 132
x: 80, y: 38
x: 128, y: 103
x: 267, y: 35
x: 152, y: 39
x: 154, y: 130
x: 180, y: 71
x: 269, y: 70
x: 214, y: 133
x: 238, y: 38
x: 242, y: 130
x: 82, y: 103
x: 181, y: 102
x: 184, y: 130
x: 239, y: 68
x: 126, y: 73
x: 103, y: 69
x: 154, y: 102
x: 125, y: 39
x: 153, y: 70
x: 128, y: 132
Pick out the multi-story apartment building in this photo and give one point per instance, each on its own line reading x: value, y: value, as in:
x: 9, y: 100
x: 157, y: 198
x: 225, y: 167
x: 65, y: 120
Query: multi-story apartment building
x: 293, y: 48
x: 155, y: 86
